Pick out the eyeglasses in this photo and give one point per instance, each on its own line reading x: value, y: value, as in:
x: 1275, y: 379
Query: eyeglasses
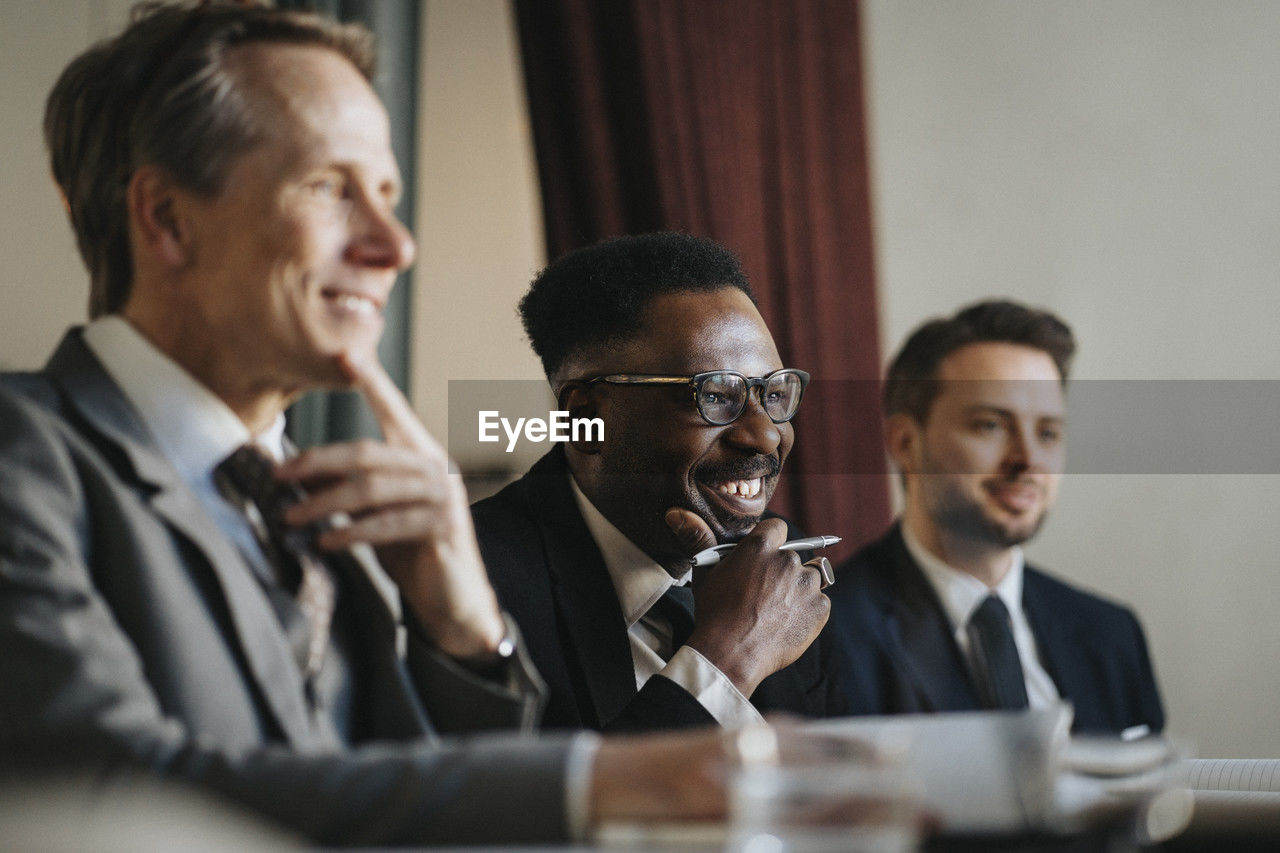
x: 721, y: 395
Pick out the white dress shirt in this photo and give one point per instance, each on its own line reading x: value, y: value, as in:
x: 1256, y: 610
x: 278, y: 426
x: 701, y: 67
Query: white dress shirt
x: 194, y: 428
x: 639, y: 582
x: 961, y: 594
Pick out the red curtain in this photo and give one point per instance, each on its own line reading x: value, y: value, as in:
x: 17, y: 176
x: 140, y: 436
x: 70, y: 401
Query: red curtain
x: 740, y: 120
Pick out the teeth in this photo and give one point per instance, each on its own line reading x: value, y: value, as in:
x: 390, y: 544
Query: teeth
x: 742, y: 488
x: 357, y: 305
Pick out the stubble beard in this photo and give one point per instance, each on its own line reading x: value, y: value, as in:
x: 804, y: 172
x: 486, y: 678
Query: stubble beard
x: 964, y: 518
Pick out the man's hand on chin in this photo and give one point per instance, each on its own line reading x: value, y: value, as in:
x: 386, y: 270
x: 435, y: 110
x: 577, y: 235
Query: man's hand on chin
x: 758, y: 609
x: 403, y: 500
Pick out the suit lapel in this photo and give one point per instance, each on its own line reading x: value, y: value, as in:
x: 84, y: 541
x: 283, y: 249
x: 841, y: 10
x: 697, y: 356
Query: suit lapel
x: 920, y: 637
x: 583, y: 590
x: 1060, y: 652
x: 98, y: 402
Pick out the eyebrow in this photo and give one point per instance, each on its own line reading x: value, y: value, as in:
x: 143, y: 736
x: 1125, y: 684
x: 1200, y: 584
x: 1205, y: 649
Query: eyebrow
x: 1009, y: 413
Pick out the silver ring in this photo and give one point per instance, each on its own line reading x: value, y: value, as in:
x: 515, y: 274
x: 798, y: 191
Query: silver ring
x: 823, y: 565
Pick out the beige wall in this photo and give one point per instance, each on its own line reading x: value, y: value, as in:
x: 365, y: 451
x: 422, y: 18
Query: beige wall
x: 1114, y: 161
x: 43, y: 287
x: 480, y: 222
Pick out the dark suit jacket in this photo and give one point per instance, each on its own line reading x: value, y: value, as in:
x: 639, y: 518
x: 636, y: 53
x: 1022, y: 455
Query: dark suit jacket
x: 906, y: 660
x: 551, y: 578
x: 133, y: 634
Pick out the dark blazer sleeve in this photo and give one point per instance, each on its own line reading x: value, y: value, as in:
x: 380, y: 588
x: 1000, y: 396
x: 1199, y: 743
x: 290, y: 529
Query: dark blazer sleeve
x: 1096, y: 653
x: 1149, y: 708
x: 510, y: 698
x: 660, y: 704
x: 75, y: 694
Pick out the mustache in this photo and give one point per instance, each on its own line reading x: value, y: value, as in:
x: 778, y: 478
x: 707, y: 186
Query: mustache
x: 1017, y: 480
x: 1021, y: 478
x: 739, y: 469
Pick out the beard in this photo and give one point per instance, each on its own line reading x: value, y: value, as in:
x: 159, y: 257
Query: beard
x: 634, y: 494
x: 731, y: 527
x: 964, y: 518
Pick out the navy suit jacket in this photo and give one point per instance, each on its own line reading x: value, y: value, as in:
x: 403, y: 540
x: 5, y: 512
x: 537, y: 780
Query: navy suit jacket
x: 905, y: 658
x: 551, y: 577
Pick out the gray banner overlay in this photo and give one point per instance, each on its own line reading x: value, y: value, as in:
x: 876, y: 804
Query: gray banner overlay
x: 1114, y: 426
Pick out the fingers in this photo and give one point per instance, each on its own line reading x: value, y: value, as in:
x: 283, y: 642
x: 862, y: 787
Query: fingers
x: 763, y: 542
x: 396, y: 419
x: 342, y: 460
x: 388, y: 526
x: 823, y: 565
x: 368, y: 492
x: 691, y: 532
x: 754, y: 567
x: 407, y: 470
x: 390, y: 494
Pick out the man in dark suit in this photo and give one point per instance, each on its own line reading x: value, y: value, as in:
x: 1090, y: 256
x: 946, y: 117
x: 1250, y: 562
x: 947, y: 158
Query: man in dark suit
x: 229, y: 177
x: 942, y: 614
x: 658, y: 336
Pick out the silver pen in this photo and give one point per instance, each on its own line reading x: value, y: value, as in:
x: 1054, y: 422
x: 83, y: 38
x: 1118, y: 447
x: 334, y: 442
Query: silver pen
x: 714, y: 554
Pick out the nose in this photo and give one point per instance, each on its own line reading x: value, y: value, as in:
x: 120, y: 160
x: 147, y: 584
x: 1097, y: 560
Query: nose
x: 1023, y: 452
x: 379, y: 239
x: 754, y: 431
x: 1015, y: 460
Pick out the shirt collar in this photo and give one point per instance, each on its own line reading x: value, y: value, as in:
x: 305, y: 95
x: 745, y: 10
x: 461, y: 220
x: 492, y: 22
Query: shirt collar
x: 960, y: 592
x: 194, y: 428
x: 637, y: 579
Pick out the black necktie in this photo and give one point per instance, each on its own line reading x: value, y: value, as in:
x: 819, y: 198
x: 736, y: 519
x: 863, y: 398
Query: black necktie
x: 998, y: 669
x: 676, y: 606
x: 245, y: 479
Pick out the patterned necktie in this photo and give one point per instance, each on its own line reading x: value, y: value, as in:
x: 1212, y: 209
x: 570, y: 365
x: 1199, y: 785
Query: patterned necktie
x: 245, y: 479
x: 676, y: 607
x: 997, y: 665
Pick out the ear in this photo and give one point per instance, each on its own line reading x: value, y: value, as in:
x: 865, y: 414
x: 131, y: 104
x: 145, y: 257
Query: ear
x: 157, y: 214
x: 903, y: 437
x: 576, y: 398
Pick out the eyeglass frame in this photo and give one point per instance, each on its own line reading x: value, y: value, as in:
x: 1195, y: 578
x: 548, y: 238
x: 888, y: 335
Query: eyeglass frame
x: 696, y: 380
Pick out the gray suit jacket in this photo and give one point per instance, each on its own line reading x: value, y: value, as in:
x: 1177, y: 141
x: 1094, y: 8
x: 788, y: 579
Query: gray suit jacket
x: 133, y: 635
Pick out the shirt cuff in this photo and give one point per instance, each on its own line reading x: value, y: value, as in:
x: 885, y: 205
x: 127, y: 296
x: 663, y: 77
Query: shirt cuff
x: 711, y: 687
x: 578, y: 771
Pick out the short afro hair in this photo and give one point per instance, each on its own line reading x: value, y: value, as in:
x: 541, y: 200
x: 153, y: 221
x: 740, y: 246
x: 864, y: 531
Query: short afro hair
x: 596, y: 295
x: 911, y: 385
